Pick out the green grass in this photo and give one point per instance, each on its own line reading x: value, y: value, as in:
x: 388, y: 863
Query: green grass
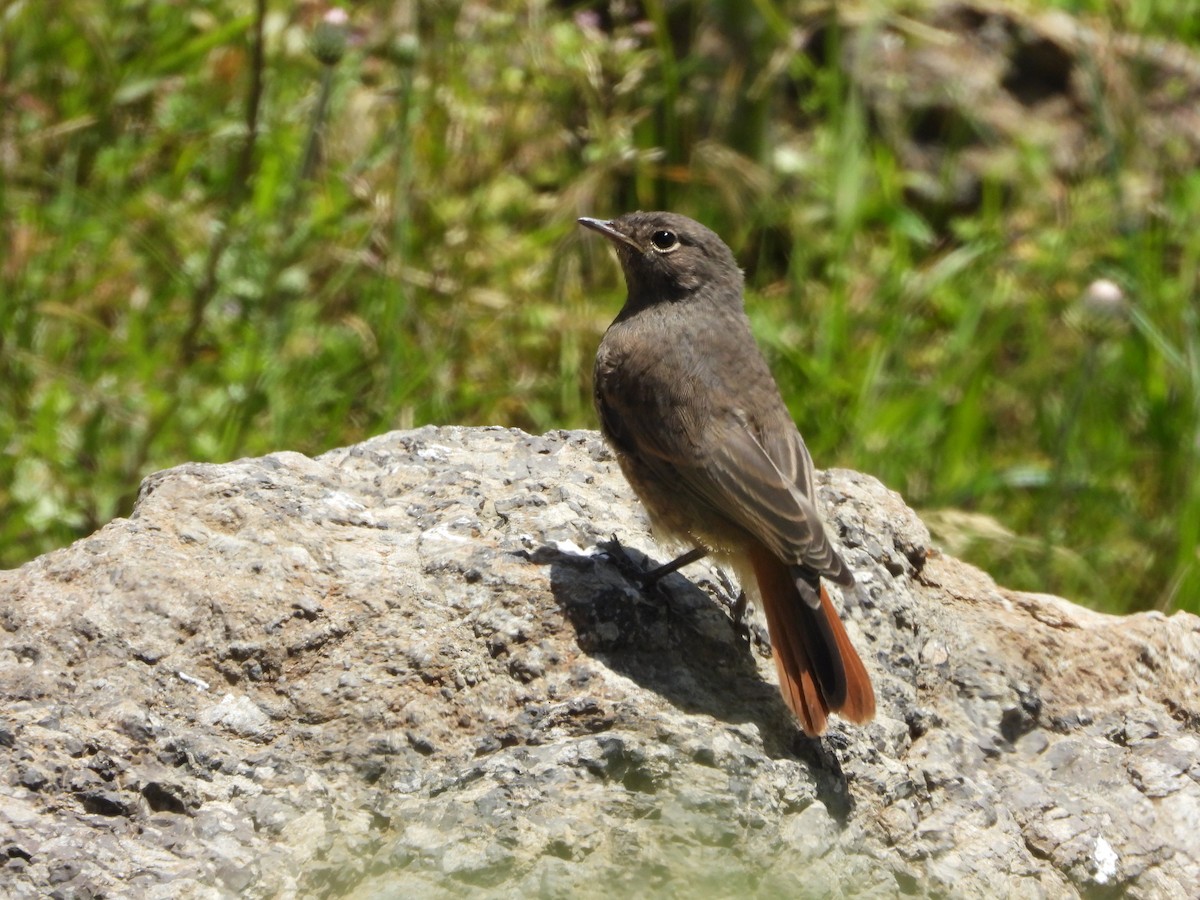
x: 184, y: 278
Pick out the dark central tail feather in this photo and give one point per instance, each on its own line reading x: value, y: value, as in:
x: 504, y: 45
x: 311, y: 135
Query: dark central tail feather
x: 819, y: 669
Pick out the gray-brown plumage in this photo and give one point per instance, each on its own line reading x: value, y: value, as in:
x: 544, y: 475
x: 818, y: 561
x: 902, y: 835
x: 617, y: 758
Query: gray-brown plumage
x: 697, y: 424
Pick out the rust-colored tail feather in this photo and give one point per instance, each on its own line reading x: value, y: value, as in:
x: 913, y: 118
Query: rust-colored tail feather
x: 819, y: 670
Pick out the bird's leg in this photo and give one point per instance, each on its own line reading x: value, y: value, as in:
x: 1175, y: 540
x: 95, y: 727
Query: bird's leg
x: 739, y: 611
x: 737, y: 606
x: 634, y: 572
x: 650, y: 579
x: 654, y: 576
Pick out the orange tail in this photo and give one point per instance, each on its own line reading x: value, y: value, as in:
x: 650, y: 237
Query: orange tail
x: 819, y: 670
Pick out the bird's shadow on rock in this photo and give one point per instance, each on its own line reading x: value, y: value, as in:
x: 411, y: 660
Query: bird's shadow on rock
x: 680, y: 642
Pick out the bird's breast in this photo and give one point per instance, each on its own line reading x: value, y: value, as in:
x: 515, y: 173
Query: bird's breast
x: 652, y: 372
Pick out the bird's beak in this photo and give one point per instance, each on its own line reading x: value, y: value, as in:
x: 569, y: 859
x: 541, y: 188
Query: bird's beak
x: 607, y: 229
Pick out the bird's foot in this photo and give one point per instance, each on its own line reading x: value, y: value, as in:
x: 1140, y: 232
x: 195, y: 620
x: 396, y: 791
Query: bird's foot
x: 737, y: 613
x: 626, y: 564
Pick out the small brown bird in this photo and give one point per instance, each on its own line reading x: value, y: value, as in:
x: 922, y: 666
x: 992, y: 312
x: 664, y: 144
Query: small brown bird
x: 697, y: 423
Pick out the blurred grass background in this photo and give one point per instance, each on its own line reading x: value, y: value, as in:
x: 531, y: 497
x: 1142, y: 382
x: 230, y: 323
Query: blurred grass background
x: 227, y: 228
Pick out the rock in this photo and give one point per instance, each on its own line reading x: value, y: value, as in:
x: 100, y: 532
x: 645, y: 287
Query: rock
x: 413, y: 666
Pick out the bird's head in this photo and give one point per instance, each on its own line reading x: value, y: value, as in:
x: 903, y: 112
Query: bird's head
x: 669, y: 257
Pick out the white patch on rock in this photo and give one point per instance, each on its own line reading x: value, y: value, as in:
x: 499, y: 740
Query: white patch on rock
x: 238, y: 714
x: 1105, y: 858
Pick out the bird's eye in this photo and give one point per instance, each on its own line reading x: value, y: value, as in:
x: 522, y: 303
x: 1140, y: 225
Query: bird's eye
x: 664, y: 240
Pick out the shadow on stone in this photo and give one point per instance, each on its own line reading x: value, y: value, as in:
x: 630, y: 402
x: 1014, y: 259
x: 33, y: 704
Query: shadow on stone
x: 679, y: 641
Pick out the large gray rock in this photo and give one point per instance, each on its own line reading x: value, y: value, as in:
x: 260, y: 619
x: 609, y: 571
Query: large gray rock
x: 408, y: 668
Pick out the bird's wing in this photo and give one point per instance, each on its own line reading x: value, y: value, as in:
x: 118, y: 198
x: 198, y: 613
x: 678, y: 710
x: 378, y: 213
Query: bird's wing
x: 768, y: 498
x: 789, y: 453
x: 735, y: 476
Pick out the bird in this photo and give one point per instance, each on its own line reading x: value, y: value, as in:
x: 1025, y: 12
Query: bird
x: 689, y: 407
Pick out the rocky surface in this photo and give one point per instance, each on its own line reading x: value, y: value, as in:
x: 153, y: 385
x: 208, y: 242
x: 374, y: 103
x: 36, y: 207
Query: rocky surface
x: 411, y: 668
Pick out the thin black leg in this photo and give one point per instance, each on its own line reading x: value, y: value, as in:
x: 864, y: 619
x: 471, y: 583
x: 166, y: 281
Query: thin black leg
x: 656, y: 575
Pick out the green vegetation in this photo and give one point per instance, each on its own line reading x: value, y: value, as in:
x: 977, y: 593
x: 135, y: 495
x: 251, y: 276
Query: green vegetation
x: 214, y: 245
